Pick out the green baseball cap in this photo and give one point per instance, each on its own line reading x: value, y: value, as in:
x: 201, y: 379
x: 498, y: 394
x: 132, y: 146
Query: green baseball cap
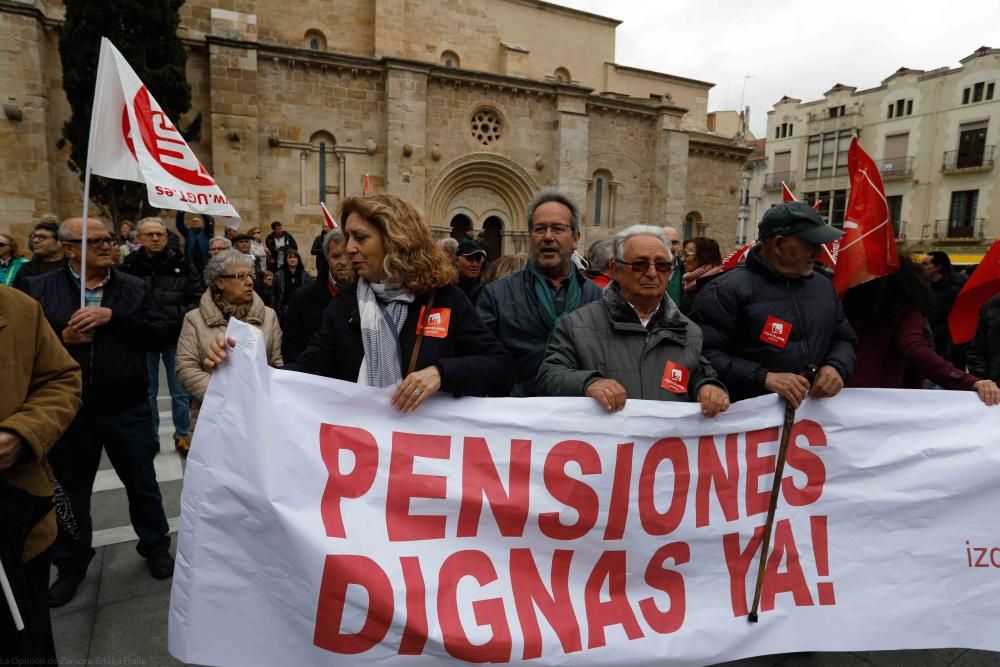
x: 796, y: 218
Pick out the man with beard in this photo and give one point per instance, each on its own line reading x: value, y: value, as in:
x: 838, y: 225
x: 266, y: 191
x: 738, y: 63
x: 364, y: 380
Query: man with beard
x: 522, y: 309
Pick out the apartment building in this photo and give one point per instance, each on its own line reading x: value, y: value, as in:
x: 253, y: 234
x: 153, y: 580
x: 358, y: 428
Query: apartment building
x: 933, y: 135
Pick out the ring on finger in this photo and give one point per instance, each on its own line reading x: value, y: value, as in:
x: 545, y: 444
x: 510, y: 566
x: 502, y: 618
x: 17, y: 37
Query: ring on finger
x: 418, y: 391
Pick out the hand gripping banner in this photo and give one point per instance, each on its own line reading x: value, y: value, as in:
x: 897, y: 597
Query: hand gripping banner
x: 320, y: 527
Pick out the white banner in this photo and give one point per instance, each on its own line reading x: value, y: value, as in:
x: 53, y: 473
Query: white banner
x: 319, y: 526
x: 132, y: 139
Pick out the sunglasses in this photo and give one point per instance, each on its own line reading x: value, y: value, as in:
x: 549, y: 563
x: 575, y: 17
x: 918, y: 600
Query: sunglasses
x: 642, y: 265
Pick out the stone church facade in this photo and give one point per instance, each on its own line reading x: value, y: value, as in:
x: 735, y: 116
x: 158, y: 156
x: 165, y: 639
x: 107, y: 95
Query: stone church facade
x: 465, y: 107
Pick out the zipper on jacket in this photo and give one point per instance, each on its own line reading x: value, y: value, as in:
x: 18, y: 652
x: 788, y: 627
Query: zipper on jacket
x: 810, y: 367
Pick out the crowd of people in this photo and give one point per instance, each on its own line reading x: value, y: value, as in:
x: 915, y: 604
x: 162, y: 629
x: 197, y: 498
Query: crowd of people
x: 647, y: 315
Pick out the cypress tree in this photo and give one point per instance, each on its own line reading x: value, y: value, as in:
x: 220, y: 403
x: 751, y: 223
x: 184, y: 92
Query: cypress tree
x: 145, y: 32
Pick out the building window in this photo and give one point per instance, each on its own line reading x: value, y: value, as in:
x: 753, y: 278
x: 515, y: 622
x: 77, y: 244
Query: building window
x: 562, y: 74
x: 832, y: 204
x: 971, y: 144
x: 837, y: 111
x: 790, y: 128
x: 895, y: 203
x: 827, y: 154
x: 601, y: 198
x: 598, y: 199
x: 962, y: 218
x: 449, y: 59
x: 978, y: 92
x: 909, y: 107
x: 899, y: 108
x: 486, y: 126
x: 315, y: 40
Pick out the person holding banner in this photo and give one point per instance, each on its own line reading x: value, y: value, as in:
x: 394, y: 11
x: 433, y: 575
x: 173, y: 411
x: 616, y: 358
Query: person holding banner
x: 888, y: 316
x: 634, y: 342
x: 984, y: 351
x: 230, y: 279
x: 109, y: 338
x: 770, y: 324
x: 407, y: 325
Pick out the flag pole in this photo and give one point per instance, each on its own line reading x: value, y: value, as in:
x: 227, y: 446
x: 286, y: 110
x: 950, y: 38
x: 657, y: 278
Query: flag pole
x: 83, y: 243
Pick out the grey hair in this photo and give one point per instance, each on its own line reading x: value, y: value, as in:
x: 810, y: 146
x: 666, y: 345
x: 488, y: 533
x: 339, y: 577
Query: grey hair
x: 226, y: 243
x: 65, y: 232
x: 640, y: 230
x: 600, y: 253
x: 449, y: 245
x: 139, y: 224
x: 332, y: 236
x: 225, y: 262
x: 546, y: 196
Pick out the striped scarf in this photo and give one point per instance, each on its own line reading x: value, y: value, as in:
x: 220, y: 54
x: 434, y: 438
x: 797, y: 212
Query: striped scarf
x: 383, y: 314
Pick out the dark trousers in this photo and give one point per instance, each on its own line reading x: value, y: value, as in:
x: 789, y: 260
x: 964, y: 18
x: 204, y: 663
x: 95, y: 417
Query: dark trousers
x: 34, y: 644
x: 75, y: 460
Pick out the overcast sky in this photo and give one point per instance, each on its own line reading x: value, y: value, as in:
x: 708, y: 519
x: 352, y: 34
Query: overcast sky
x: 800, y: 49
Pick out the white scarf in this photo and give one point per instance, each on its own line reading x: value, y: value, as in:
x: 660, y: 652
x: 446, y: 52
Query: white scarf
x: 383, y: 314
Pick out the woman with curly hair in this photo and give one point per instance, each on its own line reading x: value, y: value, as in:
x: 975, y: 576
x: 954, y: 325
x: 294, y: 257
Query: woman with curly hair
x: 407, y: 325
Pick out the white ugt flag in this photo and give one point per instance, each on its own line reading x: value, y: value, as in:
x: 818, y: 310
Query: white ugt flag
x: 132, y: 139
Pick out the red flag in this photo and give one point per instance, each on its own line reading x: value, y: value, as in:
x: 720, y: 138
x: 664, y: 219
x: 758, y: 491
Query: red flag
x: 786, y: 194
x: 328, y: 220
x: 735, y: 257
x: 868, y: 247
x: 984, y: 283
x: 368, y: 186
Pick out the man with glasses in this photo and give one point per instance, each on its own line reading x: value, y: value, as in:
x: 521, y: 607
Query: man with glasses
x: 218, y: 244
x: 109, y: 337
x: 771, y: 325
x: 523, y: 309
x: 47, y: 254
x: 177, y: 288
x: 634, y: 342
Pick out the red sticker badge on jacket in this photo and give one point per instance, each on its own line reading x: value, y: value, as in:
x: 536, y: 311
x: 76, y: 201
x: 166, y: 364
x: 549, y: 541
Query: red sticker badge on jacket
x: 434, y: 325
x: 675, y: 378
x: 776, y: 332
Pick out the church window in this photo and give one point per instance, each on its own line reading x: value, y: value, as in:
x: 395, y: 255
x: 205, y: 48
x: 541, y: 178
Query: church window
x: 449, y: 59
x: 486, y: 126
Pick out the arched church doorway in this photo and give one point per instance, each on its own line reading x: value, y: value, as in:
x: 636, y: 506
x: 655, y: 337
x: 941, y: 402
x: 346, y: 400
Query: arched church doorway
x: 493, y: 237
x: 459, y: 225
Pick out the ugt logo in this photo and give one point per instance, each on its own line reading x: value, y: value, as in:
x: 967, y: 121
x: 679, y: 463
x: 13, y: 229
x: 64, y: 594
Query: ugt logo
x: 777, y: 328
x: 676, y: 375
x: 434, y: 319
x: 163, y: 142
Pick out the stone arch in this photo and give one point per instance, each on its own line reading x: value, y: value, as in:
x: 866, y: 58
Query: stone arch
x: 459, y: 223
x: 450, y: 59
x: 693, y: 225
x: 562, y: 74
x: 315, y: 40
x: 511, y: 183
x: 493, y: 236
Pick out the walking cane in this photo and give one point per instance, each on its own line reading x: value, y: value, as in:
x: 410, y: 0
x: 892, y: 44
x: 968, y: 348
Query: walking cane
x: 11, y: 602
x: 786, y: 432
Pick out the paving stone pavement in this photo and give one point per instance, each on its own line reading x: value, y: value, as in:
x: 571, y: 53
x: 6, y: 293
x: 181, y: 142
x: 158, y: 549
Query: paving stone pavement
x: 119, y: 615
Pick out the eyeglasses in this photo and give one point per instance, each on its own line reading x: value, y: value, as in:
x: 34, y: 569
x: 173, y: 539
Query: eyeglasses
x: 94, y: 243
x: 542, y: 230
x: 41, y: 237
x: 642, y: 265
x: 242, y: 276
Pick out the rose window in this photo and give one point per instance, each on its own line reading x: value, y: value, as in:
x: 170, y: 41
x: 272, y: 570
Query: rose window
x: 486, y: 126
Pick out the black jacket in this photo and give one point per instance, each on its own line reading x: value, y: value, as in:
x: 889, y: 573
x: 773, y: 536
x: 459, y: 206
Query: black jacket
x: 470, y: 359
x: 732, y: 311
x: 509, y: 308
x: 33, y: 268
x: 304, y: 317
x: 944, y: 293
x: 285, y: 285
x: 270, y: 242
x: 984, y: 353
x: 174, y: 282
x: 114, y: 364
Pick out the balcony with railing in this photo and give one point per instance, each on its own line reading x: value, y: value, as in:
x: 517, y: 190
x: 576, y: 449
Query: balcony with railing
x: 962, y: 162
x: 960, y: 228
x: 773, y: 180
x: 894, y: 168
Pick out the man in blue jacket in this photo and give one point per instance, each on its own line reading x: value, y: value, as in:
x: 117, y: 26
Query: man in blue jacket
x: 523, y: 309
x: 773, y: 325
x: 109, y: 338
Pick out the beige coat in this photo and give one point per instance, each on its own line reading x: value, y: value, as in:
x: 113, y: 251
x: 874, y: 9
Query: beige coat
x: 39, y: 395
x: 201, y: 326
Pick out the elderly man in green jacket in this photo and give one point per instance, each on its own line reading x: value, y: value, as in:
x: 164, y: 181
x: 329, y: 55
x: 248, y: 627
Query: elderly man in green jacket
x: 633, y: 342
